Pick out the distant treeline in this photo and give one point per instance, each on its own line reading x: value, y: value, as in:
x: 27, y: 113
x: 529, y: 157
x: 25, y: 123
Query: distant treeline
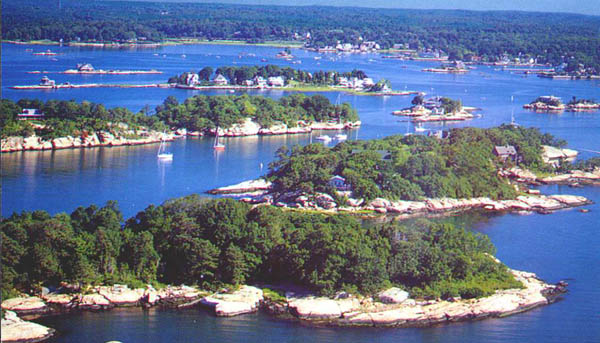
x: 237, y: 75
x: 549, y: 37
x: 415, y: 166
x: 218, y: 242
x: 69, y: 118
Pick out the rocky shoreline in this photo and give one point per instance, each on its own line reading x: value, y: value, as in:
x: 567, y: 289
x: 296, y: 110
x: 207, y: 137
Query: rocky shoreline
x: 392, y: 307
x: 92, y: 140
x: 105, y: 138
x: 259, y: 192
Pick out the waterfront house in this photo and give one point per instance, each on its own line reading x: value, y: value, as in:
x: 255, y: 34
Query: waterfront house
x: 556, y: 156
x: 45, y: 81
x: 192, y: 79
x: 343, y: 82
x: 85, y: 67
x: 248, y: 83
x: 339, y: 183
x: 220, y: 80
x: 276, y: 81
x: 506, y: 152
x: 30, y: 114
x: 259, y: 81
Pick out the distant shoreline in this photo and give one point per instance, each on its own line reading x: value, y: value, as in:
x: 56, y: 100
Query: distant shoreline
x: 168, y: 42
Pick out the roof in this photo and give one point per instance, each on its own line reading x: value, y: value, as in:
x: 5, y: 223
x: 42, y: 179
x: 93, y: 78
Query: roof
x: 504, y: 150
x: 220, y: 77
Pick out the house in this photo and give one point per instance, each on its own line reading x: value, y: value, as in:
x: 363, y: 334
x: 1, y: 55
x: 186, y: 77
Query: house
x: 259, y: 81
x: 192, y: 79
x: 506, y: 152
x: 368, y: 82
x: 45, y: 81
x: 556, y: 156
x: 343, y: 82
x: 339, y: 183
x: 248, y: 83
x: 85, y: 67
x: 30, y: 113
x: 276, y: 81
x: 220, y: 80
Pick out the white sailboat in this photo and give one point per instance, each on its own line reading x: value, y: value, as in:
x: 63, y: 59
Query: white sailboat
x: 216, y: 144
x: 162, y: 154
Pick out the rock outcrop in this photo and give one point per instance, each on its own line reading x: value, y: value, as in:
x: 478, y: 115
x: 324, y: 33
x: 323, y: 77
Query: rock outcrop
x: 25, y: 305
x: 244, y: 300
x: 364, y: 312
x: 14, y: 329
x: 89, y: 140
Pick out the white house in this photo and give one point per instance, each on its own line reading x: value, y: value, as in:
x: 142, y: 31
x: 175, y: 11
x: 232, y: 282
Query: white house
x: 339, y: 183
x: 343, y: 81
x: 368, y: 82
x: 30, y: 113
x: 260, y: 81
x: 85, y: 67
x: 276, y: 81
x: 47, y: 82
x: 191, y: 79
x: 220, y: 80
x: 248, y: 83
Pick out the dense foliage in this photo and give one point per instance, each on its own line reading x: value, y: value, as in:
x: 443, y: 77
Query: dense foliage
x: 237, y: 75
x: 201, y: 111
x: 211, y: 243
x: 69, y: 118
x: 409, y: 167
x: 549, y: 37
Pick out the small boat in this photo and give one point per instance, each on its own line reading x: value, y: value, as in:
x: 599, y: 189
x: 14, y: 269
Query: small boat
x: 263, y: 60
x: 324, y: 138
x: 162, y: 154
x: 183, y: 56
x: 216, y: 144
x: 420, y: 129
x: 341, y: 137
x: 231, y: 91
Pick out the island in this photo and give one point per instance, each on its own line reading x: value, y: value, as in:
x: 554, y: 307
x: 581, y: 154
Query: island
x: 436, y: 109
x: 284, y: 78
x: 235, y: 258
x: 550, y: 103
x: 88, y: 69
x: 34, y: 125
x: 418, y: 175
x: 455, y: 67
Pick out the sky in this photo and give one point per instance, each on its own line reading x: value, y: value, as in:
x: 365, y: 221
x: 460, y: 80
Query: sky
x: 591, y: 7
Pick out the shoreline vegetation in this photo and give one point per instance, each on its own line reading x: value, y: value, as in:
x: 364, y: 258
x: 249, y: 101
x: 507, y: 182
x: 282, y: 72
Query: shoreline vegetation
x: 68, y: 124
x: 553, y: 104
x: 426, y: 34
x: 375, y: 275
x: 409, y: 176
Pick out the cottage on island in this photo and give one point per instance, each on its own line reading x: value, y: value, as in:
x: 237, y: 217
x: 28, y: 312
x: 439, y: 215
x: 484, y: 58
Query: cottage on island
x: 220, y: 80
x: 506, y: 152
x: 339, y: 183
x: 47, y: 82
x: 276, y: 81
x: 85, y: 67
x: 30, y: 114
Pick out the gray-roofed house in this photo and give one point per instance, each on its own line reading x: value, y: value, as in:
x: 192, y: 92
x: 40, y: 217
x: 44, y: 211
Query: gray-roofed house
x: 505, y: 152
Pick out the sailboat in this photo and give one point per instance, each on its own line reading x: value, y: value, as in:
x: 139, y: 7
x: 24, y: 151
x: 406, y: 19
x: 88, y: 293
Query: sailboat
x: 217, y: 145
x: 162, y: 154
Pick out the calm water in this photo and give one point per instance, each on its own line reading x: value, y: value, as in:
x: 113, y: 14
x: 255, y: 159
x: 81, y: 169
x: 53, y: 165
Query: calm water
x: 563, y: 245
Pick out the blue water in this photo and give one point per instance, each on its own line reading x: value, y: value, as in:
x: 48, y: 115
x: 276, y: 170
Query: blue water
x: 563, y: 245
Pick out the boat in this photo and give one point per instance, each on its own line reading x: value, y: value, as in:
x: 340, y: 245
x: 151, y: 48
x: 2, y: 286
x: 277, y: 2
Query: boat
x: 324, y: 138
x: 216, y: 144
x: 162, y: 154
x: 419, y: 128
x: 341, y: 137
